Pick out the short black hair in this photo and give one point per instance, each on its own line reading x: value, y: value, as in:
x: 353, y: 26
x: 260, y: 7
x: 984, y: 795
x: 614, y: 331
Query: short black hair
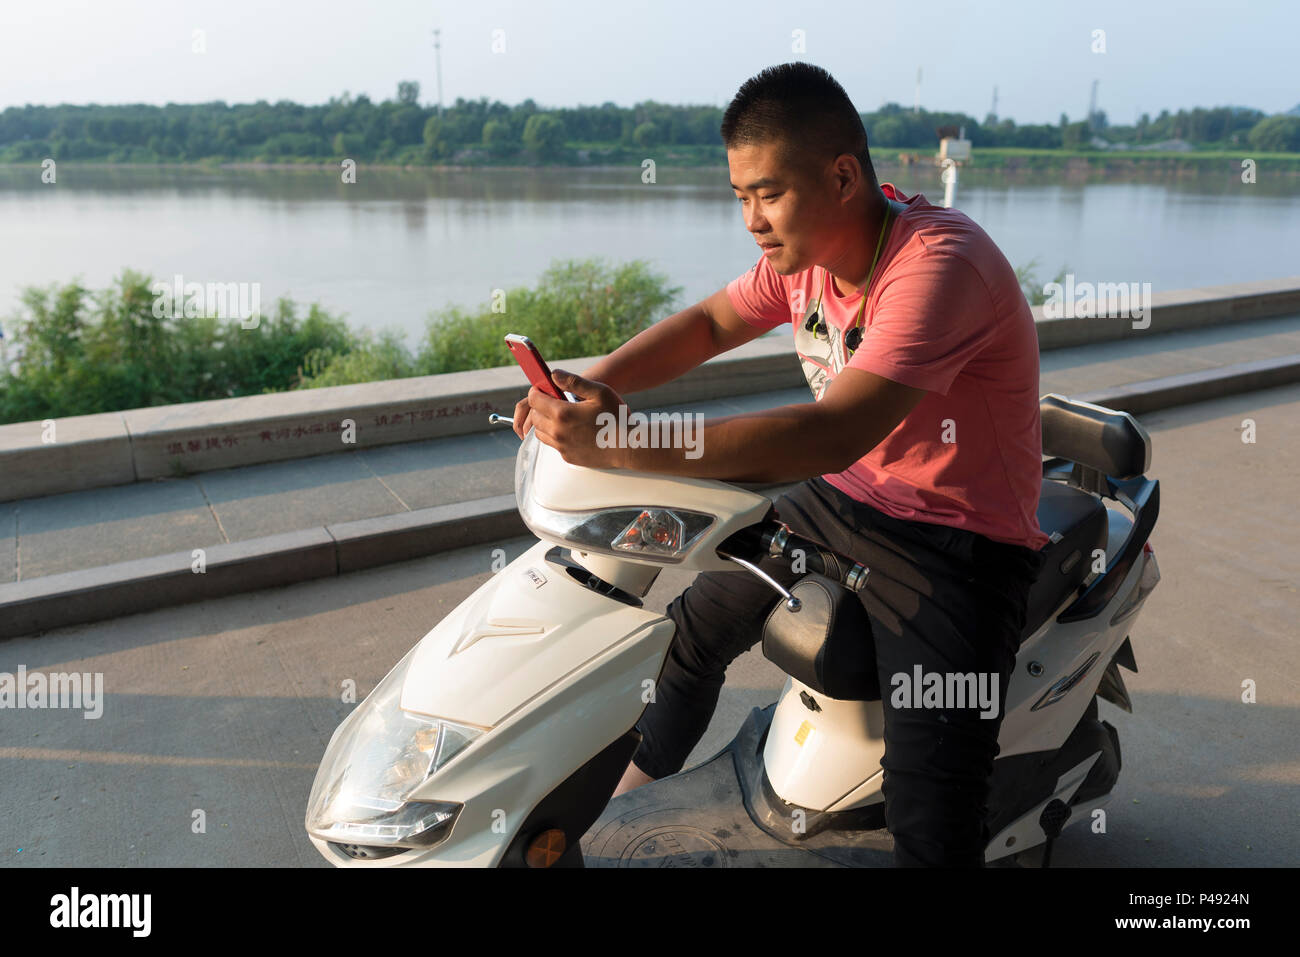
x: 803, y: 106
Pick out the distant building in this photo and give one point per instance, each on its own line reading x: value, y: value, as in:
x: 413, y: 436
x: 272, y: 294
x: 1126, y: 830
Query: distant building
x: 953, y: 145
x: 954, y: 149
x: 1169, y: 146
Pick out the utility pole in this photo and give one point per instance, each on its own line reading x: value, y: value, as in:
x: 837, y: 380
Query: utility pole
x: 437, y: 56
x: 994, y: 112
x: 1092, y: 107
x: 916, y: 103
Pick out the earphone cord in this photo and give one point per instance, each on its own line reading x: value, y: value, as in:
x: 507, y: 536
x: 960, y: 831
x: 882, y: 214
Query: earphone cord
x: 874, y: 259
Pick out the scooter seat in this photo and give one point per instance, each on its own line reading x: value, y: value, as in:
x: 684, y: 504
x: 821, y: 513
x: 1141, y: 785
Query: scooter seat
x: 827, y: 644
x: 1076, y: 521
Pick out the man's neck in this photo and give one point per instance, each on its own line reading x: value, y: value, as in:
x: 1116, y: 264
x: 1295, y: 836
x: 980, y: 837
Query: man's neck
x: 850, y: 270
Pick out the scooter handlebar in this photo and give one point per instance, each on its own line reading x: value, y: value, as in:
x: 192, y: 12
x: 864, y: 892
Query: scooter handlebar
x: 783, y: 543
x: 773, y: 539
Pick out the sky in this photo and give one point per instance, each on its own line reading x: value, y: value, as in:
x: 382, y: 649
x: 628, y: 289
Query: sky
x: 1042, y: 55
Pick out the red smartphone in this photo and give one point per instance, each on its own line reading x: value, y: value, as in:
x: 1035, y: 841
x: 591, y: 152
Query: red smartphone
x: 534, y: 366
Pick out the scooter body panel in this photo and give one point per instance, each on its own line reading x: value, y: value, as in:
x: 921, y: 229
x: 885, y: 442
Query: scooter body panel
x: 528, y: 627
x: 565, y: 693
x: 1026, y: 831
x: 829, y: 759
x: 561, y: 487
x: 816, y: 759
x: 1061, y: 650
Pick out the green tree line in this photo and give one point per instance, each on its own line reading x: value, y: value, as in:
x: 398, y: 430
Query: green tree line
x: 402, y: 131
x: 78, y: 351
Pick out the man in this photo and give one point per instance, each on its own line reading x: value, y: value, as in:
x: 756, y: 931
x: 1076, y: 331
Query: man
x: 920, y: 455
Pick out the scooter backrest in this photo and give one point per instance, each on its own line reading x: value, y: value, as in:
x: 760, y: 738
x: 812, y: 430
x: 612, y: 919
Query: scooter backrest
x: 1113, y: 443
x: 827, y: 644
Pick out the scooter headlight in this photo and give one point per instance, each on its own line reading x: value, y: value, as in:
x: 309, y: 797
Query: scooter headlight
x: 656, y: 534
x: 375, y: 760
x: 662, y: 535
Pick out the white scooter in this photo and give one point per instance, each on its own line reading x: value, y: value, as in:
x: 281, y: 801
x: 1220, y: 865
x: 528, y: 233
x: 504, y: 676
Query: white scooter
x: 499, y: 738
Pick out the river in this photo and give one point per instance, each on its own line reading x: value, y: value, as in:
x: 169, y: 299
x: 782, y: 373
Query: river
x: 395, y: 245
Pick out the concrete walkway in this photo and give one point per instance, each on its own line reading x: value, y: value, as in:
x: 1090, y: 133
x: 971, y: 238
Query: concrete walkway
x: 80, y: 530
x: 109, y: 551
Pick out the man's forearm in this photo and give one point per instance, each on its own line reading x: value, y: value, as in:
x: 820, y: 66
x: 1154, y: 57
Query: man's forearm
x: 785, y: 444
x: 663, y: 352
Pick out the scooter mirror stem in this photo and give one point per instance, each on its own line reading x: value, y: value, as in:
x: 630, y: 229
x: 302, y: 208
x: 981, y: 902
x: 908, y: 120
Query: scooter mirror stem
x: 792, y: 604
x: 494, y: 419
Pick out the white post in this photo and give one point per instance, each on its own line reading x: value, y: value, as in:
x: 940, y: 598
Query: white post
x: 949, y: 177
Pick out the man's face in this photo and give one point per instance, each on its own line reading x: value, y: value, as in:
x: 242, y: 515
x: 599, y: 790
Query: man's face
x: 793, y: 213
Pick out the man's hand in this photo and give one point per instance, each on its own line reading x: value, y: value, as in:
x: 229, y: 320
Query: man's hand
x: 571, y: 427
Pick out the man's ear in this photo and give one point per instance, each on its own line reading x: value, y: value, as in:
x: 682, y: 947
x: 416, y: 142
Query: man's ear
x: 849, y: 177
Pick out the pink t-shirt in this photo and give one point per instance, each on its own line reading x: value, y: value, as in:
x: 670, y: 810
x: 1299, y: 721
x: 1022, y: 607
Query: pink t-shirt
x: 944, y: 313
